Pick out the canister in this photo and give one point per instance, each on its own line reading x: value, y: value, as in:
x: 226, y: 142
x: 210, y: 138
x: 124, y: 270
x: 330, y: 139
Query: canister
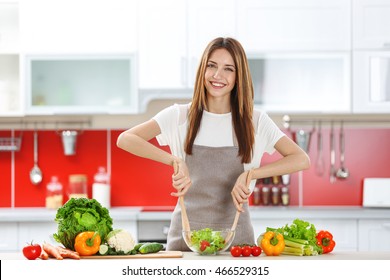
x: 77, y: 186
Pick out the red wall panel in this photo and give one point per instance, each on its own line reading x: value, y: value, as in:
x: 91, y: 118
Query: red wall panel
x: 142, y: 182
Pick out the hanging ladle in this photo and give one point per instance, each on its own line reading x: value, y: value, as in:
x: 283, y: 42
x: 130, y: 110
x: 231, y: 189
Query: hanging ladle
x: 36, y: 173
x: 342, y: 172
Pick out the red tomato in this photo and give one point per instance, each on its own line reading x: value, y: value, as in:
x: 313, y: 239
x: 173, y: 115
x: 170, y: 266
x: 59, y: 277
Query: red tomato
x: 255, y: 251
x: 32, y: 251
x: 204, y: 244
x: 235, y: 251
x: 246, y: 251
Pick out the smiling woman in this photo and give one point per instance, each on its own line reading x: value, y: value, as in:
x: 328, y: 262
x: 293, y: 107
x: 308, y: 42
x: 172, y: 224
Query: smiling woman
x: 216, y: 140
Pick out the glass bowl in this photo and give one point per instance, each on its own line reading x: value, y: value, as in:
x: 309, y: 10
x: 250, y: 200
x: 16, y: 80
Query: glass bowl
x: 209, y: 241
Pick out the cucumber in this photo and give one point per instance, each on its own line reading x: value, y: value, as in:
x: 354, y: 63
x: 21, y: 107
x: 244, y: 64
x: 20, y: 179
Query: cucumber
x: 150, y: 247
x: 136, y: 247
x: 103, y: 249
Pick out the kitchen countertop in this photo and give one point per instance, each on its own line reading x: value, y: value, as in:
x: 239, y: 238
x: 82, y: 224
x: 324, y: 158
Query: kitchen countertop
x: 41, y: 214
x: 227, y: 256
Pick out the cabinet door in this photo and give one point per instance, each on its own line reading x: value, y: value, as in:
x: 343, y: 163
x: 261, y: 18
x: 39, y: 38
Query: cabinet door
x: 371, y: 82
x: 71, y: 26
x: 306, y: 82
x: 39, y: 232
x: 10, y: 97
x: 294, y: 25
x: 371, y: 21
x: 162, y: 44
x: 9, y: 27
x: 343, y: 231
x: 204, y: 25
x: 374, y: 235
x: 9, y: 237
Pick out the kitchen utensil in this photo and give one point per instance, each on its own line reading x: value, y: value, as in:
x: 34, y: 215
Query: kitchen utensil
x: 36, y: 173
x: 320, y: 163
x: 161, y: 254
x: 184, y: 218
x: 332, y: 170
x: 233, y: 229
x: 302, y: 138
x: 342, y: 172
x: 69, y: 138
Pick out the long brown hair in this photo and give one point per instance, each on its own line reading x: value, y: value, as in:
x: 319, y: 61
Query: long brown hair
x: 241, y: 98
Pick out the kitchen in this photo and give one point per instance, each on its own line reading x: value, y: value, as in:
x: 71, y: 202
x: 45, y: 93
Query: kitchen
x: 151, y: 49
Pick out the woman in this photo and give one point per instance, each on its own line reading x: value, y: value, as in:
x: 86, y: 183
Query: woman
x: 215, y: 140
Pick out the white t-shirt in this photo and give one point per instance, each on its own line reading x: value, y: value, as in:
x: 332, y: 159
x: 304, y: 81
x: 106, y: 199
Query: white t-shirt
x: 216, y: 130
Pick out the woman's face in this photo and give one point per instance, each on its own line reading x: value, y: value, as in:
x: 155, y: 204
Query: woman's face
x: 220, y: 75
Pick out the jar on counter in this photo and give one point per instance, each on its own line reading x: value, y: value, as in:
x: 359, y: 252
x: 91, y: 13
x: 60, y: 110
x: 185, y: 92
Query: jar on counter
x: 77, y: 186
x: 101, y: 187
x: 266, y: 191
x: 54, y: 195
x: 285, y: 196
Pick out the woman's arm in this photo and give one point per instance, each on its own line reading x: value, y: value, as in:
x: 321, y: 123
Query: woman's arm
x: 294, y: 159
x: 136, y: 142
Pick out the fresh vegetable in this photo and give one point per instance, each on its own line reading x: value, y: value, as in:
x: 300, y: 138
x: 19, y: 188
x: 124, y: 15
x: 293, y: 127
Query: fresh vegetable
x: 52, y: 251
x: 299, y: 237
x: 79, y: 215
x: 44, y: 255
x: 87, y: 243
x: 103, y: 249
x: 152, y: 247
x: 121, y: 241
x: 256, y: 250
x: 32, y: 251
x: 214, y: 238
x: 67, y: 253
x: 245, y: 250
x: 325, y: 240
x: 235, y: 251
x: 204, y: 244
x: 272, y: 243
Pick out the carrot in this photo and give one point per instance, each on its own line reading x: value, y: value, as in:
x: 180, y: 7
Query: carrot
x: 67, y: 253
x: 52, y: 251
x: 44, y: 255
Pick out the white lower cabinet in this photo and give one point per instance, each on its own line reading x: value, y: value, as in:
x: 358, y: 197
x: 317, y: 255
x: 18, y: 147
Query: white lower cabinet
x: 344, y: 231
x: 36, y: 232
x: 9, y: 236
x: 374, y: 235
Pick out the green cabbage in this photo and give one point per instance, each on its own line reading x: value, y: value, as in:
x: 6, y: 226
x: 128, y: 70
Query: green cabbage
x: 78, y: 215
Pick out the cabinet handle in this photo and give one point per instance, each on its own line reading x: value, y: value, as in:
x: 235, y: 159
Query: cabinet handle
x: 386, y: 44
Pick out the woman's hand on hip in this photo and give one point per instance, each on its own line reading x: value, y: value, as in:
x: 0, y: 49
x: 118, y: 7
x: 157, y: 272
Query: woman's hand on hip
x: 240, y: 191
x: 181, y: 180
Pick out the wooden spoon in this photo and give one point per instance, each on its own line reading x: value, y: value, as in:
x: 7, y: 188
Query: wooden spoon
x: 235, y: 222
x: 184, y: 218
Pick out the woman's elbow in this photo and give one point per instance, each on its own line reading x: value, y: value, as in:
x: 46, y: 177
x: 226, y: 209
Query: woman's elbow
x: 121, y: 140
x: 305, y: 161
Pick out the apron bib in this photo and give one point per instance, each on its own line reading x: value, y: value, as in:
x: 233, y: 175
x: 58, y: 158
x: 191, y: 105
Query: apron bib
x: 213, y: 171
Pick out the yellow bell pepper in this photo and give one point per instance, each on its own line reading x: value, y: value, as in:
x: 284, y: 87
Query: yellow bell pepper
x: 87, y: 243
x: 272, y: 243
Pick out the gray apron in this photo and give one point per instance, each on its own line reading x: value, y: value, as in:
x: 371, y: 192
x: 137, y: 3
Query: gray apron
x: 213, y: 171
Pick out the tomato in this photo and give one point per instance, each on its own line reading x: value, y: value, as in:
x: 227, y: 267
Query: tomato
x: 235, y: 251
x: 204, y: 244
x: 32, y: 251
x: 255, y: 251
x: 246, y: 251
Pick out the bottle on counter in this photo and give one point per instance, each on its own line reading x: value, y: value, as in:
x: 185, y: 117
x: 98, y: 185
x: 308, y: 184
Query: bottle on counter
x: 285, y: 196
x: 77, y: 186
x: 256, y: 193
x: 266, y: 191
x: 101, y: 190
x: 54, y: 195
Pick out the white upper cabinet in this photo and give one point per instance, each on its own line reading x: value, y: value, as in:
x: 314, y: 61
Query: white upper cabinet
x: 9, y: 27
x: 173, y: 35
x: 162, y: 44
x: 72, y: 26
x: 371, y: 21
x: 265, y: 25
x: 207, y: 20
x: 371, y: 82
